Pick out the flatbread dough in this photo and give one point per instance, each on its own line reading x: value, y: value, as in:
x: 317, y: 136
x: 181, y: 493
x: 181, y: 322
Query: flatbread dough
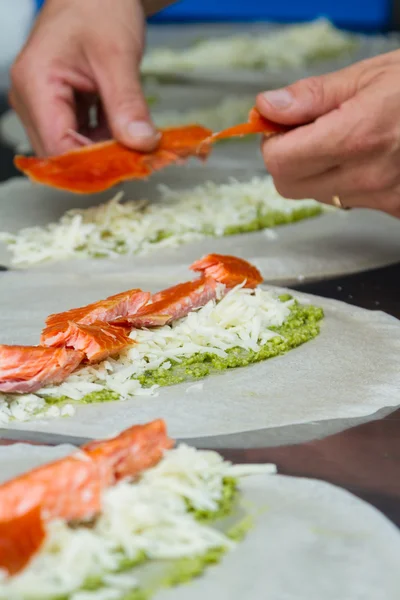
x: 310, y: 540
x: 350, y: 370
x: 333, y: 244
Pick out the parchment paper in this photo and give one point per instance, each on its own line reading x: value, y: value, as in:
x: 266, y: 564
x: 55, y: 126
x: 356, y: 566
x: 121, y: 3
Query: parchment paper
x: 311, y: 540
x: 333, y: 244
x: 175, y: 37
x: 349, y: 371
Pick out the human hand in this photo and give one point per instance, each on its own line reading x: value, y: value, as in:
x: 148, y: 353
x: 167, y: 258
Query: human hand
x: 348, y: 144
x: 83, y: 53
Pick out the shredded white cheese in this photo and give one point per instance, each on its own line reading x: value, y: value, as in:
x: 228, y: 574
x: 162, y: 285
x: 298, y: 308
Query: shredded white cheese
x: 143, y: 226
x: 241, y: 319
x: 292, y: 46
x: 150, y: 516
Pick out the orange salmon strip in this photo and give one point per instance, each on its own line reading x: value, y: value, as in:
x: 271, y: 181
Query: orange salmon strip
x: 20, y: 539
x: 100, y: 166
x: 131, y: 452
x: 178, y: 301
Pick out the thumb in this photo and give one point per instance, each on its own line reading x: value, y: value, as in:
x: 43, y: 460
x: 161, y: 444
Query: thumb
x: 307, y: 99
x: 128, y: 116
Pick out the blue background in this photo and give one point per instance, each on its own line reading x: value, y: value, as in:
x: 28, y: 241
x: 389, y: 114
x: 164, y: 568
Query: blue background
x: 372, y: 15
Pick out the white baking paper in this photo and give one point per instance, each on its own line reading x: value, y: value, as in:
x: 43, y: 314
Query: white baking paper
x: 333, y: 244
x: 310, y: 541
x: 350, y: 370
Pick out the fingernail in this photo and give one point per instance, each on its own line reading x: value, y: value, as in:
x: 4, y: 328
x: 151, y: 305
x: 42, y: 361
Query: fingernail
x: 279, y: 98
x: 140, y: 129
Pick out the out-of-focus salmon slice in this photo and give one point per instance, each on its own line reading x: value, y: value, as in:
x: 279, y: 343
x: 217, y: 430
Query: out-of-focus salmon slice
x: 20, y: 539
x: 70, y: 488
x: 133, y: 451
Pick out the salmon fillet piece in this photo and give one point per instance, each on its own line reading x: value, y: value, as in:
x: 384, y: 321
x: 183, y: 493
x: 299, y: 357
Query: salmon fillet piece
x: 20, y: 539
x: 70, y: 488
x: 119, y: 305
x: 97, y: 167
x: 173, y: 303
x: 178, y: 301
x: 136, y: 449
x: 25, y: 369
x: 97, y: 341
x: 256, y: 124
x: 229, y: 270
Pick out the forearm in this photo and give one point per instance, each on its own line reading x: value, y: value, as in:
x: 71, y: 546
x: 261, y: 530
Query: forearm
x: 154, y: 6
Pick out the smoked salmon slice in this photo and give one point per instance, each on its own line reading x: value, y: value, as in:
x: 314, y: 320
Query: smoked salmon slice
x: 70, y: 488
x: 229, y: 270
x: 97, y: 341
x: 256, y: 124
x: 20, y: 539
x: 119, y: 305
x: 178, y: 301
x: 100, y: 166
x: 172, y: 303
x: 25, y: 369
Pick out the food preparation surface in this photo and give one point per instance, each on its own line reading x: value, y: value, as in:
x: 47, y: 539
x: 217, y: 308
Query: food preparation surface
x: 365, y: 458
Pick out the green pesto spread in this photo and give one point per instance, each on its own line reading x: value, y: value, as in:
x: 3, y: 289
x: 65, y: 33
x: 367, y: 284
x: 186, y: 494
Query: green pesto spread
x: 265, y: 219
x: 225, y: 504
x: 301, y: 326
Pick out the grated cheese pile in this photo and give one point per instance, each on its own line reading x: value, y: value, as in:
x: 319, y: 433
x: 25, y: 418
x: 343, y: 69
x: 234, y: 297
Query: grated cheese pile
x: 292, y: 46
x: 228, y: 112
x: 153, y: 518
x: 140, y: 227
x: 241, y: 319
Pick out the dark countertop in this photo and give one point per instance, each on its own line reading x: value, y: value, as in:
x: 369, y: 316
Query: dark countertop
x: 364, y: 459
